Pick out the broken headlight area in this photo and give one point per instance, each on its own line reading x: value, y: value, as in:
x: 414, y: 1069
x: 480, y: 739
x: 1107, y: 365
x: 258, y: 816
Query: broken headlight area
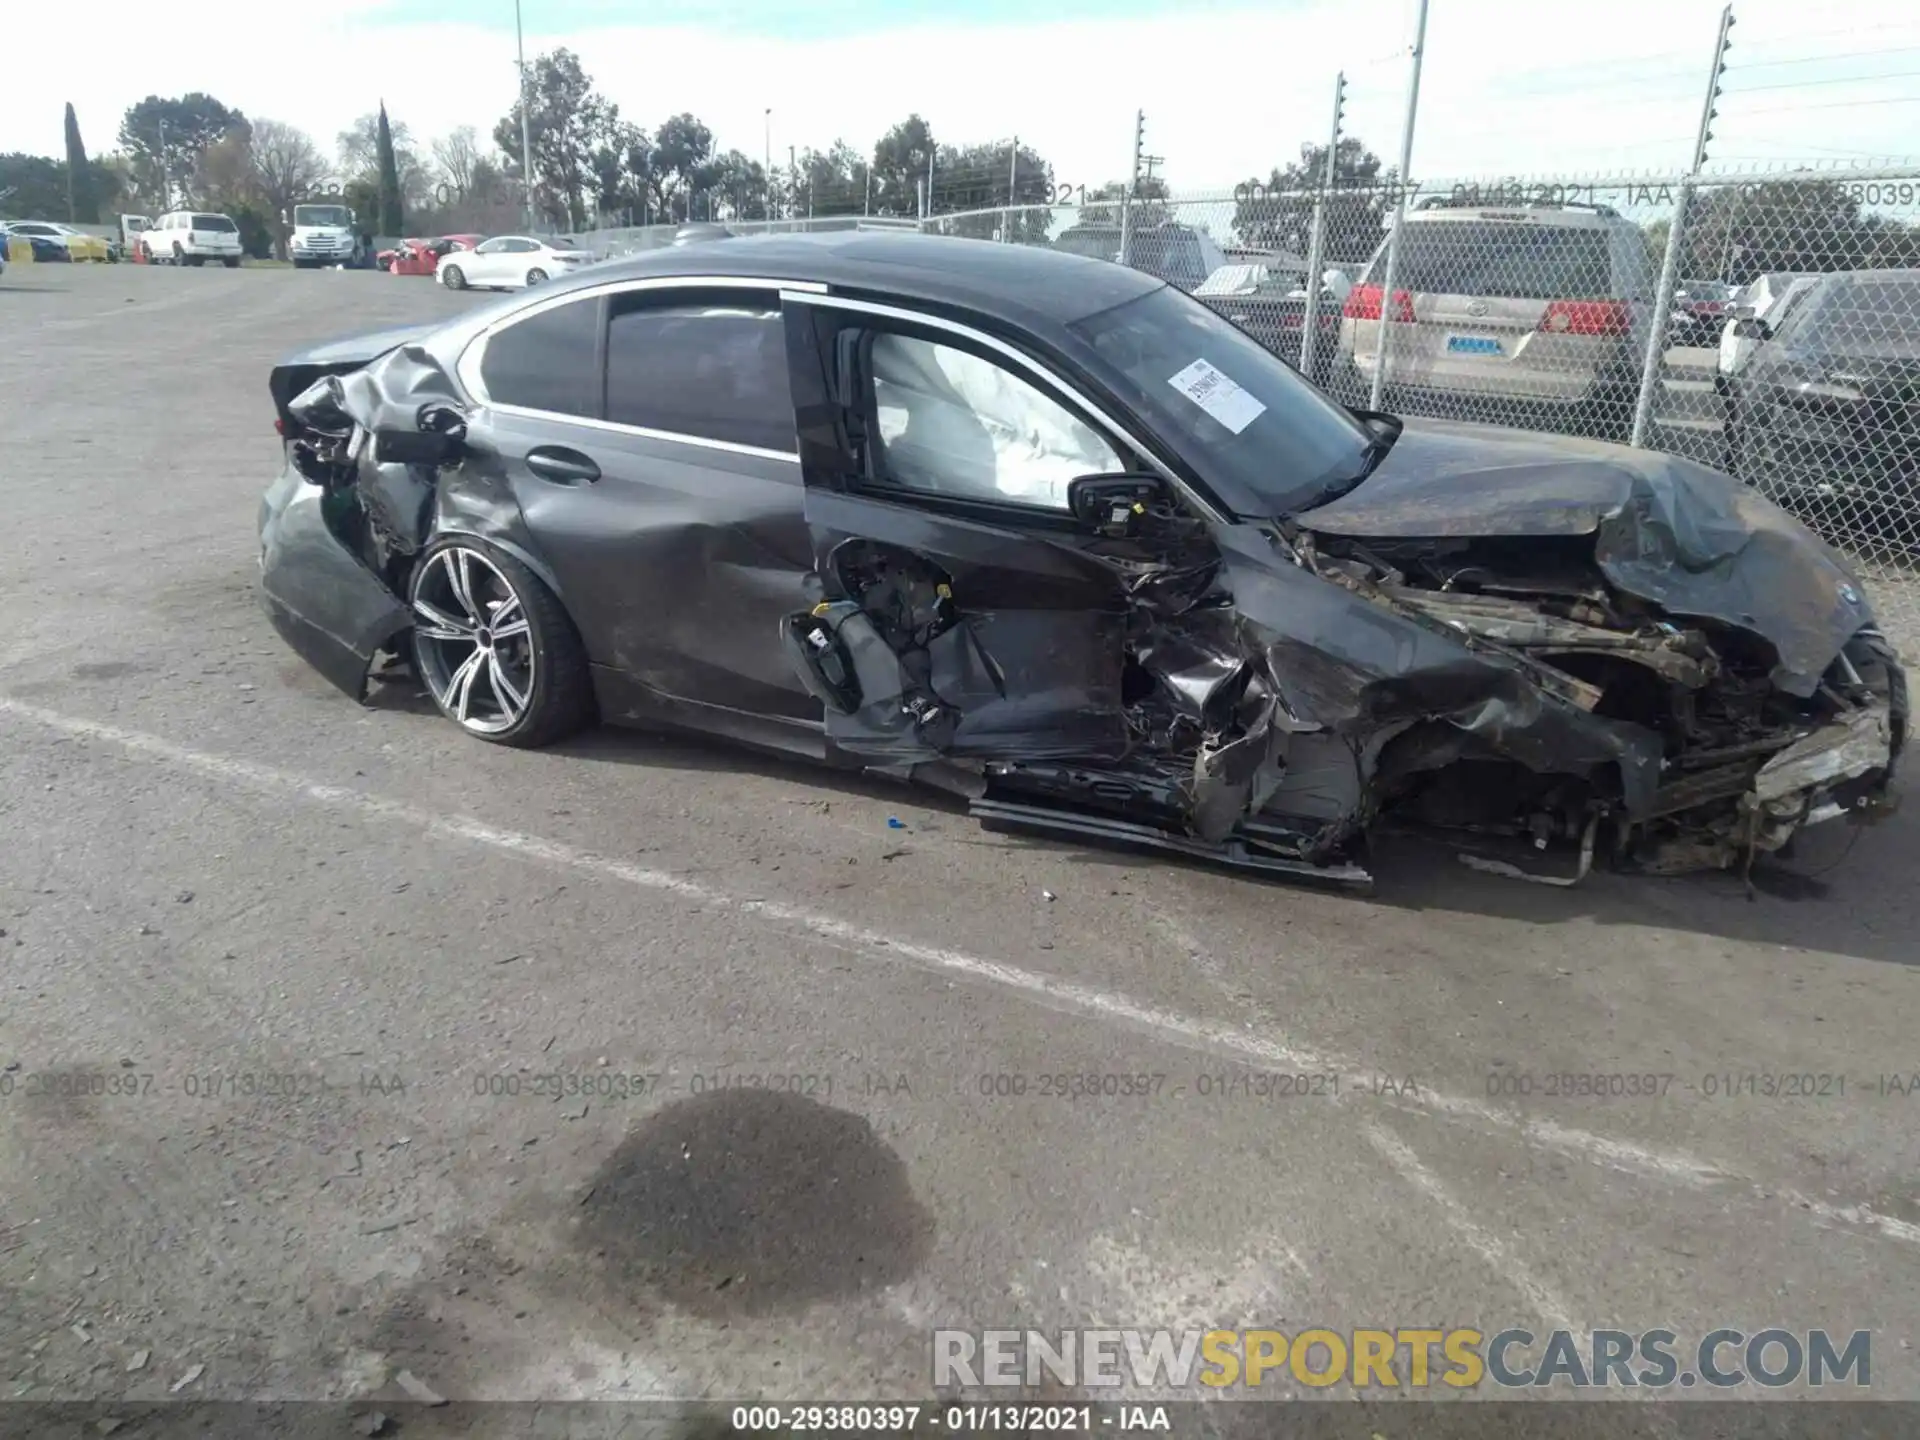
x: 1742, y: 764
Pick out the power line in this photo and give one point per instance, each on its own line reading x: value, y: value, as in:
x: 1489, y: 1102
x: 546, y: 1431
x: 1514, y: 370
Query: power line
x: 1830, y: 80
x: 1831, y: 105
x: 1842, y: 55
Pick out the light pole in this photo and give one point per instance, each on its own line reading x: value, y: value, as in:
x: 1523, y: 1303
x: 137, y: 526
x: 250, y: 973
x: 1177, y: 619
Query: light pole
x: 766, y: 160
x: 526, y: 128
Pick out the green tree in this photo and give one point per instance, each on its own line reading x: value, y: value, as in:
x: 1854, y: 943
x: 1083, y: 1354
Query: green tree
x: 566, y: 123
x: 1277, y: 213
x: 34, y: 187
x: 741, y: 187
x: 1150, y: 207
x: 983, y: 177
x: 392, y: 213
x: 899, y: 165
x: 1738, y: 233
x: 831, y: 182
x: 683, y: 168
x: 168, y: 138
x: 83, y: 206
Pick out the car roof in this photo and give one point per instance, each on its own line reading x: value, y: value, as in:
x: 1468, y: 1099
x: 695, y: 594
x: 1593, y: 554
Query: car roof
x: 1013, y: 282
x: 1585, y: 218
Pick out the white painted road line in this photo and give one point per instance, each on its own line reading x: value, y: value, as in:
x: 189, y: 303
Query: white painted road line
x: 1065, y: 996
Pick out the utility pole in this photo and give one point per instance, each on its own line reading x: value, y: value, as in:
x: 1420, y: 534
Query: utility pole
x: 766, y: 162
x: 920, y: 184
x: 1670, y: 265
x: 793, y: 181
x: 1317, y: 244
x: 869, y: 206
x: 166, y: 179
x: 1133, y: 185
x: 526, y: 125
x: 926, y: 208
x: 1399, y: 212
x: 1013, y: 189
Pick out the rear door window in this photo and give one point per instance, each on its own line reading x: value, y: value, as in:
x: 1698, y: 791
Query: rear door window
x: 1494, y: 258
x: 714, y: 369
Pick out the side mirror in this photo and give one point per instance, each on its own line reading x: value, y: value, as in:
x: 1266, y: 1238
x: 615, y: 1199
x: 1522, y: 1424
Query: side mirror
x: 1110, y: 504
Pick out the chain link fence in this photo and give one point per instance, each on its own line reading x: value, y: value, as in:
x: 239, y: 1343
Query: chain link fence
x: 1787, y: 351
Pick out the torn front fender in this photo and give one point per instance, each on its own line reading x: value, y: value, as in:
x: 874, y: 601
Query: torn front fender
x: 333, y: 610
x: 1342, y: 663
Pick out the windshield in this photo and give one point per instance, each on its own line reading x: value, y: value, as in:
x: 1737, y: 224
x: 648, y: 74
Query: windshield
x: 322, y: 215
x: 1245, y: 420
x: 1494, y: 258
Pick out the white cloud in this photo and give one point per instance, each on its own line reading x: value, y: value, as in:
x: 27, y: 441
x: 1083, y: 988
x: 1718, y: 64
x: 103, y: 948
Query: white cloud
x: 1511, y: 86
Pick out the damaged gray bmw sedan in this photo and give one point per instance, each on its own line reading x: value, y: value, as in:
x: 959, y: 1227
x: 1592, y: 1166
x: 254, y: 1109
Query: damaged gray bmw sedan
x: 1044, y: 530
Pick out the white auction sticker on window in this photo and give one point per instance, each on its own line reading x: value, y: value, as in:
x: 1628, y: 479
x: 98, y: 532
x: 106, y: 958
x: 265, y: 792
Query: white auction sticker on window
x: 1214, y: 393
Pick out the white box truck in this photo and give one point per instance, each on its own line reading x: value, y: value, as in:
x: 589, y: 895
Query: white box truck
x: 324, y: 234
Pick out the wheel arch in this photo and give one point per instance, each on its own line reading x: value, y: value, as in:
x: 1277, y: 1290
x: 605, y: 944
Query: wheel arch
x: 457, y: 516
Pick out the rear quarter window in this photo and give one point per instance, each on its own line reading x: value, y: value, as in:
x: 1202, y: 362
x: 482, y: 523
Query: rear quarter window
x: 716, y: 370
x: 547, y: 361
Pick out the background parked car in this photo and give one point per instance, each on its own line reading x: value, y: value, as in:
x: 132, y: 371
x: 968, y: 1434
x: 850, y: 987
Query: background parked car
x: 1700, y: 310
x: 1766, y: 299
x: 1268, y: 299
x: 193, y: 237
x: 510, y: 262
x: 1533, y: 316
x: 1181, y: 256
x: 1827, y: 409
x: 30, y: 241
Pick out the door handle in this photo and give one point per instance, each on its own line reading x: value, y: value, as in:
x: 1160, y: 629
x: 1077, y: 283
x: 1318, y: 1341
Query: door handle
x: 562, y: 466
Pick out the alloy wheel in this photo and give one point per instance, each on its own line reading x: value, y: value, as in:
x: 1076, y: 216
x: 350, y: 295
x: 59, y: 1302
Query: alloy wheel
x: 472, y: 641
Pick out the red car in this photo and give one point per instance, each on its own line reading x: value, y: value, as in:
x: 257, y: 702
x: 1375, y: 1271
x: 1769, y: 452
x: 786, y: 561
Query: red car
x: 422, y: 257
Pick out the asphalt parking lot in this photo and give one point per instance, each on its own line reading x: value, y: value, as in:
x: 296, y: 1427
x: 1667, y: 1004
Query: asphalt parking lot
x: 329, y: 939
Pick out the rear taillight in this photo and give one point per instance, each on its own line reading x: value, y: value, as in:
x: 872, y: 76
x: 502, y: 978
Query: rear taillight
x: 279, y: 427
x: 1363, y: 303
x: 1587, y: 317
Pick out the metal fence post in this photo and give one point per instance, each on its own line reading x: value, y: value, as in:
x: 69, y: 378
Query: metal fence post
x: 1670, y: 264
x: 1013, y: 189
x: 1133, y: 185
x: 1317, y: 241
x: 1399, y: 213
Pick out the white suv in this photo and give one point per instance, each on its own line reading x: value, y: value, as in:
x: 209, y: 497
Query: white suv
x: 192, y: 237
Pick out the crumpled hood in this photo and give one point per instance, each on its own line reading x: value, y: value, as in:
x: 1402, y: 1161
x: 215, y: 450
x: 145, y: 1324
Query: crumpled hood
x: 1671, y: 531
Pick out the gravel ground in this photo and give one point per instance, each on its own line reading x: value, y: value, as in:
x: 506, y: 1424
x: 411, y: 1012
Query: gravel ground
x: 270, y: 957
